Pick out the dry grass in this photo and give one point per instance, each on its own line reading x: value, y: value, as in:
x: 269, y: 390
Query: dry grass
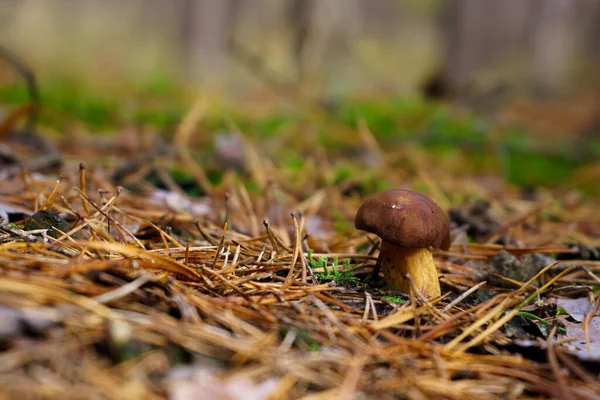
x: 161, y: 298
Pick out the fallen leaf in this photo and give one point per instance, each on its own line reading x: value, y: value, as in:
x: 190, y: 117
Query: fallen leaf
x: 580, y: 348
x: 576, y: 308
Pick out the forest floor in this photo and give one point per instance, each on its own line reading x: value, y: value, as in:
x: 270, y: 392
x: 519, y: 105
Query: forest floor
x: 216, y: 257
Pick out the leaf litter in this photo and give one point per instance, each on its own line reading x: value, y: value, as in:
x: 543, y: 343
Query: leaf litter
x: 258, y: 287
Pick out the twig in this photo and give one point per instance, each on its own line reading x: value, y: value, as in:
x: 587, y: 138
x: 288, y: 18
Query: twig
x: 125, y: 289
x: 463, y: 296
x: 220, y: 246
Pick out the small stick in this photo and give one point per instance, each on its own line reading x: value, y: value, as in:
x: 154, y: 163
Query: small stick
x: 84, y: 198
x: 463, y: 296
x: 227, y: 254
x: 590, y: 273
x: 434, y: 311
x: 576, y: 368
x: 247, y: 203
x: 220, y: 246
x: 271, y: 238
x: 226, y: 208
x: 375, y: 274
x: 187, y: 253
x: 205, y: 234
x: 236, y: 255
x: 559, y: 374
x: 83, y: 187
x: 367, y: 308
x: 306, y: 265
x: 288, y: 279
x: 303, y: 260
x: 586, y: 324
x: 102, y: 211
x: 302, y: 230
x: 276, y: 238
x: 298, y: 245
x: 50, y: 200
x: 376, y: 245
x: 125, y: 289
x: 262, y: 253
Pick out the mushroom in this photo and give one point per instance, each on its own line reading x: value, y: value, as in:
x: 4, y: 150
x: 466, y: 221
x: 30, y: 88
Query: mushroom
x: 409, y: 224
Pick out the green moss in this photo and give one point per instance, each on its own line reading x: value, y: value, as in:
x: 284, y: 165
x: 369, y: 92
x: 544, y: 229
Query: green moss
x: 339, y: 276
x: 341, y: 172
x: 253, y: 187
x: 214, y: 177
x: 14, y: 94
x: 340, y: 223
x: 156, y: 100
x: 186, y: 181
x: 395, y: 300
x: 594, y: 147
x: 292, y: 160
x: 446, y: 130
x: 273, y: 125
x: 561, y: 311
x: 527, y: 168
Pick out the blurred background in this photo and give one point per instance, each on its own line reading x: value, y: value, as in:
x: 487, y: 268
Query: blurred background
x: 538, y: 47
x: 528, y: 66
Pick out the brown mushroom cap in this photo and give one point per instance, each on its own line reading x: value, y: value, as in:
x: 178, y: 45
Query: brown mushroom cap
x: 404, y: 218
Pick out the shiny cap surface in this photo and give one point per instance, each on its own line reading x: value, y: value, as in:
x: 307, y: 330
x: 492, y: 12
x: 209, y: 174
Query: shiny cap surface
x: 405, y: 218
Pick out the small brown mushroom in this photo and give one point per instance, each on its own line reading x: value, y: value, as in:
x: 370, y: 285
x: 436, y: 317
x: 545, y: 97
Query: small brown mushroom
x: 409, y: 224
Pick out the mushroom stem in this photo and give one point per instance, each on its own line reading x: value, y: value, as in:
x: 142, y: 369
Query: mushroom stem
x: 396, y: 262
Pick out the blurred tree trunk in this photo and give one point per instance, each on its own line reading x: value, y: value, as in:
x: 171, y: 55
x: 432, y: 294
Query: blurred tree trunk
x: 530, y: 44
x: 335, y: 26
x: 205, y: 29
x: 299, y: 17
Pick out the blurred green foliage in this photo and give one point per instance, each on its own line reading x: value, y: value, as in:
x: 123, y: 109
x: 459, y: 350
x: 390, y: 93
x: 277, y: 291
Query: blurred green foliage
x: 458, y: 138
x: 65, y: 100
